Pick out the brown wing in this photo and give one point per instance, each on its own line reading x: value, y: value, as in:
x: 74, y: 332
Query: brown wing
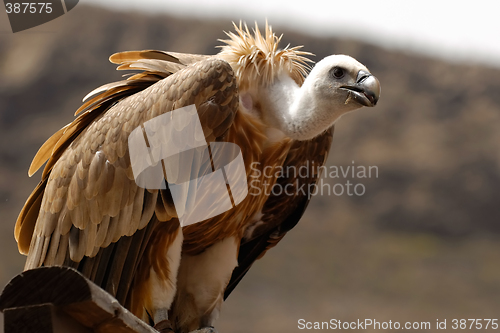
x: 282, y: 212
x: 88, y: 209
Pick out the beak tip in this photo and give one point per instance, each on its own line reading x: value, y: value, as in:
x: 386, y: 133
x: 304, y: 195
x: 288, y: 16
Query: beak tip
x: 366, y: 90
x: 372, y: 89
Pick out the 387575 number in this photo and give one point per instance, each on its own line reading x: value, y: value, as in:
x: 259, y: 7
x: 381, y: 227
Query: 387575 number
x: 28, y: 7
x: 474, y: 324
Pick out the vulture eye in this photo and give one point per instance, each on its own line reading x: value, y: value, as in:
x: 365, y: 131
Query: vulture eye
x: 338, y: 72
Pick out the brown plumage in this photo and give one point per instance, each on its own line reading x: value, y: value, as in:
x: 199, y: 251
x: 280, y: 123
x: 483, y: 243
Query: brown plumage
x: 88, y: 212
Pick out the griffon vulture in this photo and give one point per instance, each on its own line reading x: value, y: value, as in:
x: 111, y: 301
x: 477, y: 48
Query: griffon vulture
x: 88, y: 212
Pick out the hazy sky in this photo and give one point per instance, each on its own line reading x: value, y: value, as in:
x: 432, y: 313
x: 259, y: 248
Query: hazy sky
x: 454, y: 29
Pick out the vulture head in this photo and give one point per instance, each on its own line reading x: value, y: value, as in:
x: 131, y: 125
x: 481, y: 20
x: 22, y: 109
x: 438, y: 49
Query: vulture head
x: 272, y: 86
x: 336, y: 85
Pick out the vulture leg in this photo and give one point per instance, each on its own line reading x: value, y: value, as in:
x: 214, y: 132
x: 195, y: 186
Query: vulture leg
x: 201, y: 284
x: 154, y: 285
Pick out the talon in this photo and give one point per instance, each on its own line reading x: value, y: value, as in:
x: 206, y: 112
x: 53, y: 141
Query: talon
x: 164, y: 326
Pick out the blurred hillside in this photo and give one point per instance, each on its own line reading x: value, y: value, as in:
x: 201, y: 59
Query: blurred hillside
x: 421, y: 244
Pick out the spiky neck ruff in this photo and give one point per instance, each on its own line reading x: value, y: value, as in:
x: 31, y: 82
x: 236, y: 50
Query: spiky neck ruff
x: 256, y: 59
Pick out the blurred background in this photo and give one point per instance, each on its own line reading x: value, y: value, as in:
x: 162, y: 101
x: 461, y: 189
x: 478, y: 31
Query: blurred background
x: 422, y: 243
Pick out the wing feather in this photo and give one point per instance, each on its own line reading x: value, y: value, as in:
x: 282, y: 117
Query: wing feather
x: 102, y: 231
x: 64, y: 223
x: 55, y: 240
x: 88, y: 204
x: 148, y: 207
x: 25, y: 225
x: 45, y: 151
x: 131, y: 56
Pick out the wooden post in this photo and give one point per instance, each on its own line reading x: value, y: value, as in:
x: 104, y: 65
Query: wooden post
x: 60, y: 299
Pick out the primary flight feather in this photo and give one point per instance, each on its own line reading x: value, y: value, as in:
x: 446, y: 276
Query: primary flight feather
x: 88, y: 212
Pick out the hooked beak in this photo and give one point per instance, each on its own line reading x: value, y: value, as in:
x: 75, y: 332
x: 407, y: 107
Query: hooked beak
x: 366, y: 90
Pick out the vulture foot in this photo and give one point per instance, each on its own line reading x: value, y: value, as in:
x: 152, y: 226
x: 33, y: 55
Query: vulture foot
x: 164, y: 326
